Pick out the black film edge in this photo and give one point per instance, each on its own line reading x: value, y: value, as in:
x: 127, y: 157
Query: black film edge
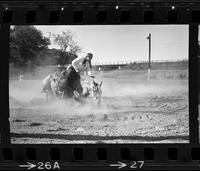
x: 100, y: 155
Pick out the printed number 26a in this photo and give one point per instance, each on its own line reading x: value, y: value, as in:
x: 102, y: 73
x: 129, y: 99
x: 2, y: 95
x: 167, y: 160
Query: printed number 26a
x: 48, y: 165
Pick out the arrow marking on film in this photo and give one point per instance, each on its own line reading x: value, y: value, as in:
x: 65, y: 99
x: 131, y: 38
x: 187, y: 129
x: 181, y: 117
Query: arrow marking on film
x: 28, y: 165
x: 120, y: 165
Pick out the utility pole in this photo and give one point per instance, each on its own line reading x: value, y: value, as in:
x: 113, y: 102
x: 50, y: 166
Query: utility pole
x: 149, y: 68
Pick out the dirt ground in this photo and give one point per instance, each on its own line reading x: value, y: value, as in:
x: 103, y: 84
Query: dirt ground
x: 131, y: 111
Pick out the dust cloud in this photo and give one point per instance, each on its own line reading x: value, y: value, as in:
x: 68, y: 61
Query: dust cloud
x: 144, y: 87
x: 116, y: 94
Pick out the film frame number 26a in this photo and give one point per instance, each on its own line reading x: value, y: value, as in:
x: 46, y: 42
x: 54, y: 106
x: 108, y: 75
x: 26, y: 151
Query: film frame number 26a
x: 42, y: 166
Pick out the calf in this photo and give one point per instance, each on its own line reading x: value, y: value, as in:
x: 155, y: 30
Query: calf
x: 97, y: 92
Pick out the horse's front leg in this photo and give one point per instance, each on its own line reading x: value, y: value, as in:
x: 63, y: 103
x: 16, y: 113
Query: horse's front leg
x: 61, y: 94
x: 47, y: 97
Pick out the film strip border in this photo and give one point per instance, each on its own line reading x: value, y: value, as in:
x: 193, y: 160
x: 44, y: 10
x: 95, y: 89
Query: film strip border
x: 83, y: 12
x: 78, y: 156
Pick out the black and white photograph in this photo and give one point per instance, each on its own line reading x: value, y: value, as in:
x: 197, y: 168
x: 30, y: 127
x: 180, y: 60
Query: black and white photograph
x: 94, y: 84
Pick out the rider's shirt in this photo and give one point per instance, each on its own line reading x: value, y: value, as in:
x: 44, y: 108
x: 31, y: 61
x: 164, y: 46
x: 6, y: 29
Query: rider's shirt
x: 79, y: 66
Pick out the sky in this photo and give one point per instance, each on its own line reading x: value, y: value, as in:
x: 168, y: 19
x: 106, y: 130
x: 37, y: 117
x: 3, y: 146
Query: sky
x: 127, y: 43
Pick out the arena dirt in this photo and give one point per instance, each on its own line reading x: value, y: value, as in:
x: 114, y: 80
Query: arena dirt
x: 131, y: 111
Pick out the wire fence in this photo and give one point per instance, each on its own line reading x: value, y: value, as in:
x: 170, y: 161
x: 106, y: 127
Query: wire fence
x: 141, y: 61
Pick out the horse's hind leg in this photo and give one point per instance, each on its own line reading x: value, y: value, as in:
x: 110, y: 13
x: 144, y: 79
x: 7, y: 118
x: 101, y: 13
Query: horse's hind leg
x: 47, y: 96
x: 43, y: 93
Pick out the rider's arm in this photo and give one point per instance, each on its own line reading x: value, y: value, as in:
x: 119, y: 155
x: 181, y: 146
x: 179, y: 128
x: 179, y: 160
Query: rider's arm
x: 88, y: 69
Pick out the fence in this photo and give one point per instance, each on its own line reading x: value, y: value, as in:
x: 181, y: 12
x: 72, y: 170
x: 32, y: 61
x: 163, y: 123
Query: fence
x: 132, y: 61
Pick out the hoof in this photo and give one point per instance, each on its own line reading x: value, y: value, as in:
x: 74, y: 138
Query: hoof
x: 76, y: 94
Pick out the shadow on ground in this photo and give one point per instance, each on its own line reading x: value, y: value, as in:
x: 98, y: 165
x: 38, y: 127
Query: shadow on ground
x: 92, y: 137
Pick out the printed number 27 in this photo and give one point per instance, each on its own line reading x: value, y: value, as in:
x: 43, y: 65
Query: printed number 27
x: 134, y: 164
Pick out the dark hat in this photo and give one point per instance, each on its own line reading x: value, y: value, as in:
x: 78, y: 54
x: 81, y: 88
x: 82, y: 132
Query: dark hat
x: 90, y: 55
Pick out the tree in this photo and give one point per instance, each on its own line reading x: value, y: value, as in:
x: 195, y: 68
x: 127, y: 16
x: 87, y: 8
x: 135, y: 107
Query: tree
x: 25, y: 43
x: 69, y: 48
x: 47, y: 57
x: 74, y: 48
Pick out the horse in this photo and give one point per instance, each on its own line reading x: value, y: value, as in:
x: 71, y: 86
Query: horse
x: 64, y: 85
x: 67, y: 84
x: 70, y: 84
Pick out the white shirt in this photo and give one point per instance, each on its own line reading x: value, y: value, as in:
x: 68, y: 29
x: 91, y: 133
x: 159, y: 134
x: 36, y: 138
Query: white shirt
x: 80, y: 67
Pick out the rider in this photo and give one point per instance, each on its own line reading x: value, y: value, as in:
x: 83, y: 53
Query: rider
x: 72, y: 73
x: 83, y: 65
